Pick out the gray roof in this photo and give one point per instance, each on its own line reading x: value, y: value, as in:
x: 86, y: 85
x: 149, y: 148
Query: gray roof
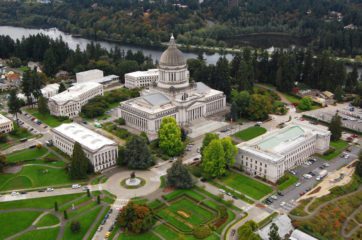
x: 156, y: 99
x: 202, y: 87
x: 172, y: 56
x: 284, y: 224
x: 299, y: 235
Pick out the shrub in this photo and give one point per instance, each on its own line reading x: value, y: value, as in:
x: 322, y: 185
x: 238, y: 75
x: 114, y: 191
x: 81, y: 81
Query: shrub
x: 202, y: 232
x: 121, y: 121
x: 329, y: 151
x: 75, y: 226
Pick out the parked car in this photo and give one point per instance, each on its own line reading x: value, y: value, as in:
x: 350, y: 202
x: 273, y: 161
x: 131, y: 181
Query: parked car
x: 49, y: 189
x: 222, y: 191
x: 75, y: 186
x: 15, y: 193
x: 280, y: 193
x: 297, y: 184
x: 274, y: 197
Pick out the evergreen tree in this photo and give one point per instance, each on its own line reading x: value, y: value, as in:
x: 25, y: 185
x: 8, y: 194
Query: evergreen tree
x: 338, y: 94
x: 352, y: 80
x: 56, y: 206
x: 50, y: 62
x: 75, y: 226
x: 36, y: 84
x: 273, y: 232
x: 65, y: 214
x: 169, y: 136
x: 178, y: 176
x: 98, y: 199
x: 213, y: 159
x: 79, y: 163
x: 121, y: 156
x: 137, y: 155
x: 26, y: 86
x: 14, y: 104
x: 335, y: 127
x: 221, y: 76
x: 2, y: 162
x: 43, y: 105
x: 62, y: 87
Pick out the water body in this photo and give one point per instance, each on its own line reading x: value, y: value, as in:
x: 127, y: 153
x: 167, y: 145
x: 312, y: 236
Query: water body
x: 73, y: 42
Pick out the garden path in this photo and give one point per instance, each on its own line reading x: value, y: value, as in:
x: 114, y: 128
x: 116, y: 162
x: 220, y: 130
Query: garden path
x: 345, y: 224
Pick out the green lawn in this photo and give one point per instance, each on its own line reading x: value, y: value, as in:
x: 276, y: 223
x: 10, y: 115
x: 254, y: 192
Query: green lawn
x: 246, y: 185
x: 20, y: 132
x: 296, y: 100
x: 143, y: 236
x: 51, y: 121
x: 339, y: 146
x: 45, y: 234
x: 85, y: 221
x: 13, y: 222
x: 196, y: 214
x: 288, y: 181
x: 45, y: 202
x: 34, y: 176
x: 26, y: 154
x: 48, y: 220
x: 250, y: 133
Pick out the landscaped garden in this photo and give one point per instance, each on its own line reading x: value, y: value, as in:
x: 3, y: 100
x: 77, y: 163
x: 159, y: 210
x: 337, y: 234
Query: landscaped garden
x: 336, y: 148
x: 39, y: 168
x: 50, y: 120
x: 47, y: 226
x: 14, y: 137
x: 245, y: 185
x: 250, y: 133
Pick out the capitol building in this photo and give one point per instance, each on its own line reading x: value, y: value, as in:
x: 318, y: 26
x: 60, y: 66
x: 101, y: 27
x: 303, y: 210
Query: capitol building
x: 172, y: 94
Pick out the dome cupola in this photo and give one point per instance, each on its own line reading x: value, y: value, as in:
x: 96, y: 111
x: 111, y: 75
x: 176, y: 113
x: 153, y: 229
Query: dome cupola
x: 172, y: 57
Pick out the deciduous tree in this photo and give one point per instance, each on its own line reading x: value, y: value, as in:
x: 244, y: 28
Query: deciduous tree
x: 136, y: 218
x: 273, y: 232
x: 213, y: 159
x: 43, y: 105
x: 14, y: 104
x: 169, y: 136
x: 230, y: 151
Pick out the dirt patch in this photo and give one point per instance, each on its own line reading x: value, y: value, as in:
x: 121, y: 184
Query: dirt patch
x: 168, y: 189
x: 258, y: 205
x: 13, y: 169
x: 315, y: 190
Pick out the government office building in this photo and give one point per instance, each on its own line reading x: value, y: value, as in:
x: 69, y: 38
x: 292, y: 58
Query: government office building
x: 101, y: 151
x: 141, y: 79
x: 6, y: 125
x: 69, y: 103
x: 270, y: 155
x: 171, y: 95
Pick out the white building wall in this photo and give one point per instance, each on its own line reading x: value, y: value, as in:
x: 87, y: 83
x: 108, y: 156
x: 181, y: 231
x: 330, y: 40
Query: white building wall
x: 89, y: 75
x: 6, y: 125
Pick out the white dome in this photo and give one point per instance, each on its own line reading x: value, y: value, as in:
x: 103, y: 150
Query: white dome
x: 172, y: 56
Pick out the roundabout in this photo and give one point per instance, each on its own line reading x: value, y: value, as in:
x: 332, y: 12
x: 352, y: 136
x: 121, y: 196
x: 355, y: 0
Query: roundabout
x: 128, y: 184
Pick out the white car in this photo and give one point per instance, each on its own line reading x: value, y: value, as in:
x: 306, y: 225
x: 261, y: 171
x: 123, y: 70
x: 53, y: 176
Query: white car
x: 346, y: 156
x: 282, y: 204
x: 297, y: 184
x: 222, y: 191
x: 75, y: 186
x: 307, y: 176
x: 274, y: 197
x: 49, y: 189
x: 15, y: 194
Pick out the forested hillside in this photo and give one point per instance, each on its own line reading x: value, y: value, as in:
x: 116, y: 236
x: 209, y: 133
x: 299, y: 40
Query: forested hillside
x: 322, y: 24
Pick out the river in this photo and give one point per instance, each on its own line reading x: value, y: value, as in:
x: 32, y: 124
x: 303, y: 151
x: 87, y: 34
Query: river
x: 73, y: 42
x: 19, y: 32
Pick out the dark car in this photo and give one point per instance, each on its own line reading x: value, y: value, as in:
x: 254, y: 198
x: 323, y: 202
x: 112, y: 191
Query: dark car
x: 280, y: 193
x: 23, y: 192
x: 233, y: 232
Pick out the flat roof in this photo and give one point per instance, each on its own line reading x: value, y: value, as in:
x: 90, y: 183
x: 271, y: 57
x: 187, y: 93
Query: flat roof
x: 4, y: 119
x: 150, y: 72
x: 83, y: 135
x: 74, y: 92
x: 92, y: 71
x: 105, y: 79
x: 51, y: 87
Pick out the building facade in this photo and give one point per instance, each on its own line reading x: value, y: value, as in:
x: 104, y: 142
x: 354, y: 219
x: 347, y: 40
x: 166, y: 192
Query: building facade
x: 172, y: 95
x: 271, y: 155
x: 69, y: 103
x: 141, y: 79
x: 6, y: 125
x: 101, y: 151
x: 96, y: 76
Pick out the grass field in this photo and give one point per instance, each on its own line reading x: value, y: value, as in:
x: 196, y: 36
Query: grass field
x: 194, y: 214
x: 47, y: 220
x: 143, y: 236
x: 289, y: 180
x: 13, y: 222
x: 45, y: 234
x: 246, y: 185
x: 85, y: 221
x: 51, y: 121
x: 26, y: 154
x: 295, y: 100
x: 339, y: 146
x: 250, y: 133
x: 34, y: 176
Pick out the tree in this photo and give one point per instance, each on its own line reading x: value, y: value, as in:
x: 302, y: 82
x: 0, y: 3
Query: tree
x: 98, y: 199
x: 338, y: 94
x: 43, y: 105
x: 26, y: 87
x: 136, y: 218
x: 259, y: 107
x: 305, y: 104
x: 88, y: 193
x: 352, y: 80
x: 14, y: 104
x: 121, y: 156
x: 3, y: 138
x: 358, y: 170
x: 213, y: 159
x: 137, y: 155
x: 65, y: 214
x: 230, y: 151
x: 335, y: 127
x: 79, y: 163
x: 178, y: 176
x: 56, y: 206
x: 75, y: 226
x: 50, y: 62
x: 169, y: 136
x: 2, y: 162
x: 62, y: 87
x: 273, y: 232
x: 207, y: 140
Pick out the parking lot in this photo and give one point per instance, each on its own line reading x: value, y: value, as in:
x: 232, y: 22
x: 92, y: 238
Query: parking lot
x: 288, y: 201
